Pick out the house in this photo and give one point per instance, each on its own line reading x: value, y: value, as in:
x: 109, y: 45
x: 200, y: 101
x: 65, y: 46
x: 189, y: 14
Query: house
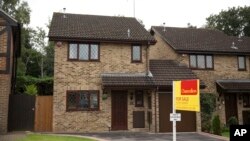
x: 9, y: 51
x: 104, y: 79
x: 220, y: 61
x: 101, y: 79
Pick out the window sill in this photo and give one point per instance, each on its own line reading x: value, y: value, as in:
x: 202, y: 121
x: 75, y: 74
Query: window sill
x: 90, y: 110
x: 242, y: 70
x: 74, y: 60
x: 136, y: 61
x: 202, y: 69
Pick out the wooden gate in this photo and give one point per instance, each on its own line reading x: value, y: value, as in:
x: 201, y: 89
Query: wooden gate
x: 43, y: 115
x: 21, y: 113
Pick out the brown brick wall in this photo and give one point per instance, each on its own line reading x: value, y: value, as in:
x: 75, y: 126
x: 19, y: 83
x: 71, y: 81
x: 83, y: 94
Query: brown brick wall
x: 5, y: 86
x: 68, y: 75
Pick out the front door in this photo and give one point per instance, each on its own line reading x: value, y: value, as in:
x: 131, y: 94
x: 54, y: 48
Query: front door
x: 231, y: 106
x: 119, y: 110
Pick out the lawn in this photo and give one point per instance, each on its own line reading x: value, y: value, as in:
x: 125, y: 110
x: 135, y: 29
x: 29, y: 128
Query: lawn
x: 225, y: 134
x: 42, y: 137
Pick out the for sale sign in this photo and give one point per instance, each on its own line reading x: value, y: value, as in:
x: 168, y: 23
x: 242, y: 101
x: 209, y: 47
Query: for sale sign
x: 187, y: 95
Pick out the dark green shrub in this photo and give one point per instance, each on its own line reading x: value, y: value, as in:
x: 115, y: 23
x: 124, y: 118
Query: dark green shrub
x: 232, y: 121
x: 44, y: 85
x: 216, y: 127
x: 208, y: 104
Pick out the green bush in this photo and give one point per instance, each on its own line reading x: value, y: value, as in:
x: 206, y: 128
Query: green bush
x: 208, y: 104
x: 44, y: 85
x: 232, y: 121
x: 31, y: 89
x: 216, y: 127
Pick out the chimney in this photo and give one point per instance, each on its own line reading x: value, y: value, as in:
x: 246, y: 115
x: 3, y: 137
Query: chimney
x: 64, y: 11
x: 164, y: 28
x: 128, y: 33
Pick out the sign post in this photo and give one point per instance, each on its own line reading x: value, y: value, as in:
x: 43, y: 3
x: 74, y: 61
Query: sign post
x: 174, y: 112
x: 186, y: 96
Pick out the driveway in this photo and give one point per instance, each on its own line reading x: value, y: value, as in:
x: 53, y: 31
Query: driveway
x: 13, y: 136
x: 138, y: 136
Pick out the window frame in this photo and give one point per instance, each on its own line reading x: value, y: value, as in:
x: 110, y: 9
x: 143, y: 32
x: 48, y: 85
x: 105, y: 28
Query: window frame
x: 132, y: 53
x: 89, y: 92
x: 205, y: 62
x: 245, y: 63
x: 139, y: 95
x: 246, y: 101
x: 89, y: 51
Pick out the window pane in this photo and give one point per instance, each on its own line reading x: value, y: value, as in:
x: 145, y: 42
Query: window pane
x: 83, y: 101
x: 72, y: 51
x: 83, y: 52
x: 94, y: 51
x: 241, y: 62
x: 201, y: 61
x: 71, y: 101
x: 193, y: 61
x: 209, y: 62
x: 93, y: 100
x: 136, y: 53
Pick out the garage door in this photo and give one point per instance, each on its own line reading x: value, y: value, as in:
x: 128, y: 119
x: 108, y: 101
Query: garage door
x: 188, y: 119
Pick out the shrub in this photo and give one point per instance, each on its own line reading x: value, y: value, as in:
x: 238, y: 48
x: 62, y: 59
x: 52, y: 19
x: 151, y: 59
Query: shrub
x: 216, y: 127
x: 208, y: 104
x: 31, y: 89
x: 44, y: 85
x: 232, y: 121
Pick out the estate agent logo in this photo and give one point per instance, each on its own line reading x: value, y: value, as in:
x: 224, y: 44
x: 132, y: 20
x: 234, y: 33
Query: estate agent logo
x: 189, y: 87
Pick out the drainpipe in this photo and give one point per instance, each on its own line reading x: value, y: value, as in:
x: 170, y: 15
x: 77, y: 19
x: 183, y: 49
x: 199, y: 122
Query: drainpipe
x: 147, y: 61
x: 155, y: 111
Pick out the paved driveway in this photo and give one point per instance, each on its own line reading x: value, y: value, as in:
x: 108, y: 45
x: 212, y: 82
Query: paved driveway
x: 12, y: 136
x: 131, y: 136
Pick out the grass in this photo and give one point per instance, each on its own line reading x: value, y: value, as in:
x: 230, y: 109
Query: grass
x: 225, y: 134
x: 42, y: 137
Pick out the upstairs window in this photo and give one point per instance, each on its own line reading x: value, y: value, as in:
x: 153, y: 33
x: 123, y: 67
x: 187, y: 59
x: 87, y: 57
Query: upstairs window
x: 82, y: 100
x: 201, y: 61
x: 241, y: 63
x: 84, y: 52
x: 136, y: 53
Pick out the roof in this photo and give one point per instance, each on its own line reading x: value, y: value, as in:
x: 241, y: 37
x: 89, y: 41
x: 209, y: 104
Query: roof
x: 126, y: 80
x: 98, y: 28
x: 197, y: 40
x: 230, y: 86
x: 166, y: 71
x: 10, y: 21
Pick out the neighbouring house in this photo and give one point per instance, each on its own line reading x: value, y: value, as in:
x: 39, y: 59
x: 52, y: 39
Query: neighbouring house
x: 9, y: 51
x: 220, y: 61
x: 104, y: 79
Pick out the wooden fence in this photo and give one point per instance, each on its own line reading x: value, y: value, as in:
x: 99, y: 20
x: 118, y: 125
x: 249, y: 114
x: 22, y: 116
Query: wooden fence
x: 30, y: 113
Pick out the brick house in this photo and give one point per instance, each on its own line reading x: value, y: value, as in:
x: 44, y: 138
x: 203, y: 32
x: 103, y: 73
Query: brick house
x: 9, y: 51
x: 104, y: 80
x: 220, y: 61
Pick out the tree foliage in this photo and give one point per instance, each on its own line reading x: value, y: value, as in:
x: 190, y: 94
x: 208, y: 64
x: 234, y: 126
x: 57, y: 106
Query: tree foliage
x: 234, y: 21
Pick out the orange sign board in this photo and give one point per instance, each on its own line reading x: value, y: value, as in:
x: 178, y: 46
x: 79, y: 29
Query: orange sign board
x: 187, y: 95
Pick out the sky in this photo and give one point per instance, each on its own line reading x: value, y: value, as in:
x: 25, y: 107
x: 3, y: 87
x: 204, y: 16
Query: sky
x: 174, y: 13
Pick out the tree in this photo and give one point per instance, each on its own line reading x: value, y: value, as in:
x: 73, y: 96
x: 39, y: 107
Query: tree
x: 20, y: 11
x: 234, y: 21
x: 38, y: 40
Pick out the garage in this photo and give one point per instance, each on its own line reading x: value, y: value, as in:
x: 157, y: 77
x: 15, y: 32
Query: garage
x: 188, y: 118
